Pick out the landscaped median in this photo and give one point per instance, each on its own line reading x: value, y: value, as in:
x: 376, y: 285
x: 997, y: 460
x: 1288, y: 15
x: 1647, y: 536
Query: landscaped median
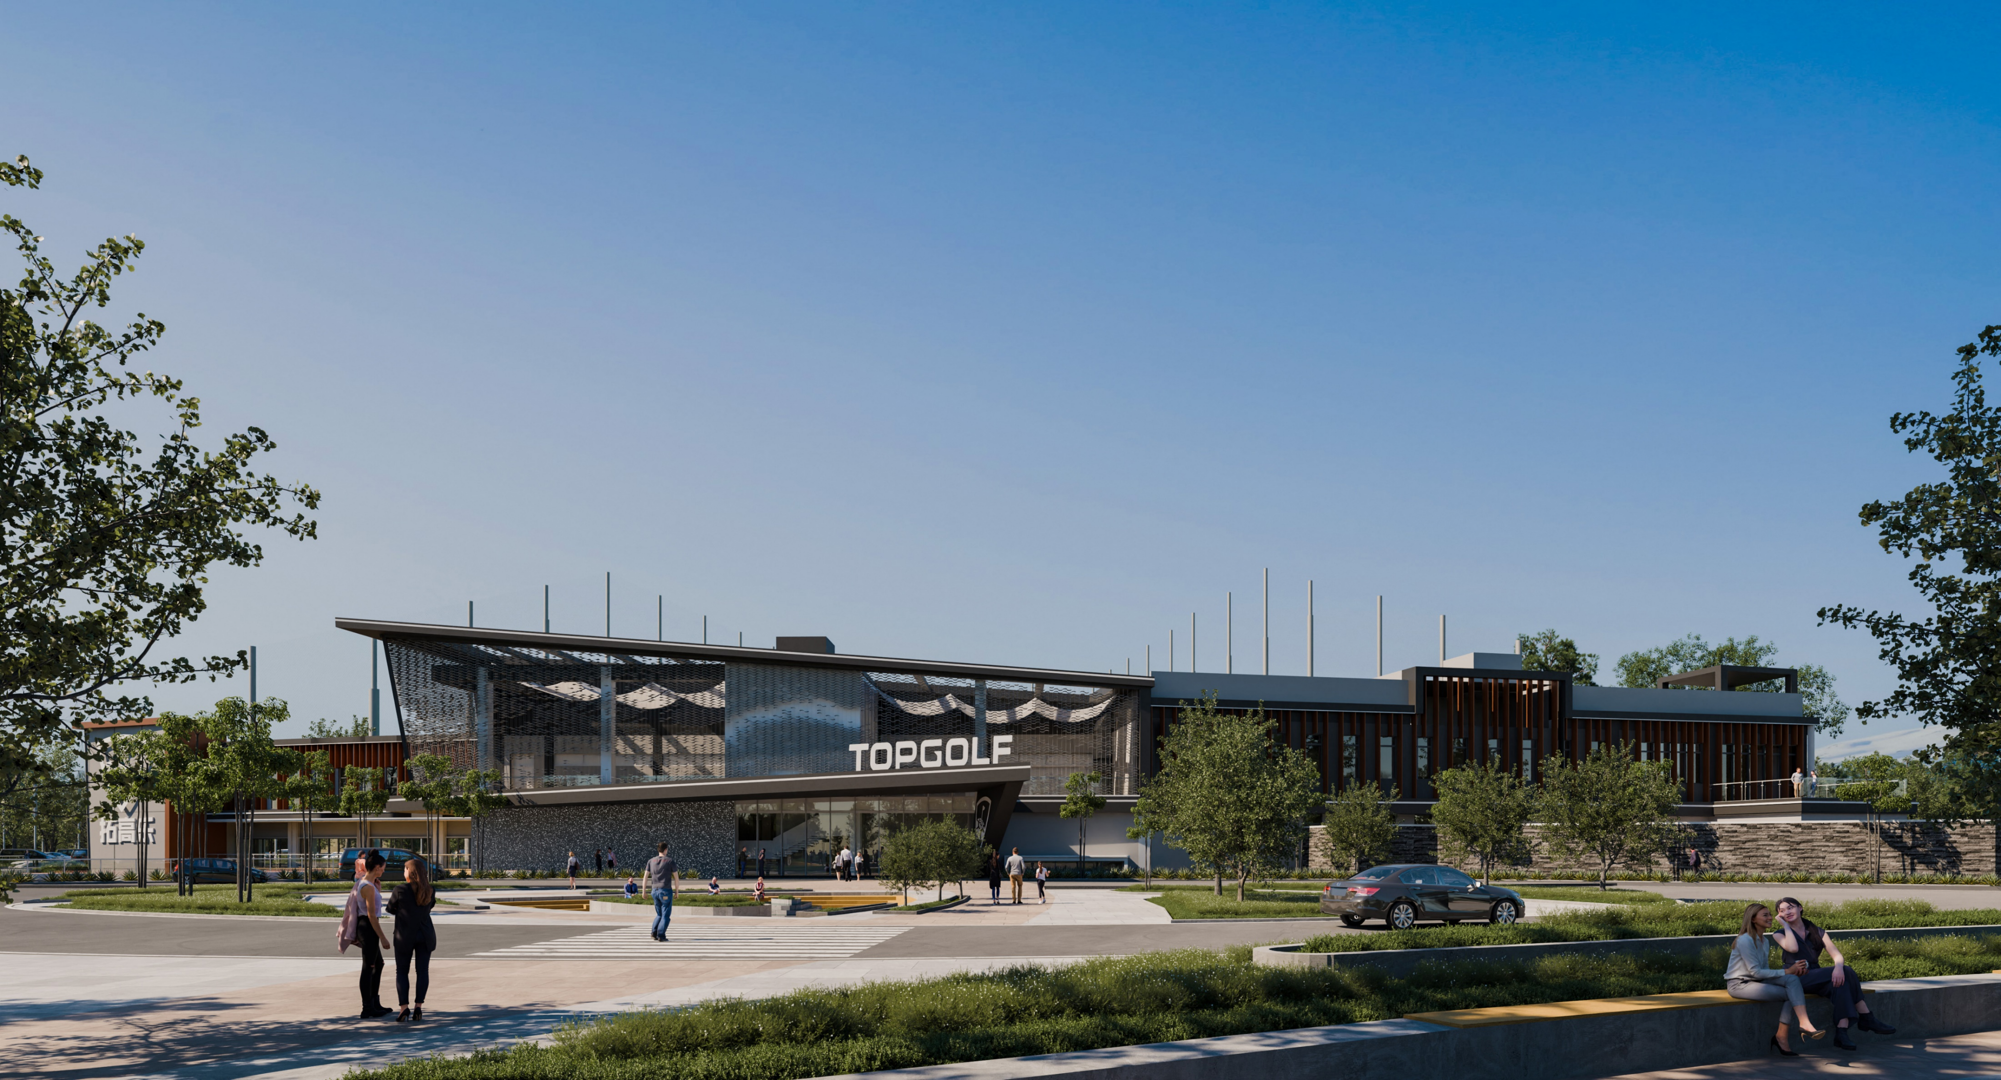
x: 1129, y: 1002
x: 1301, y: 900
x: 278, y: 898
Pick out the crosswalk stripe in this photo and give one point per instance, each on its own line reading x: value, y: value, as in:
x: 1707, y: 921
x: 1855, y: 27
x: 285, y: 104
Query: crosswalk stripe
x: 635, y: 942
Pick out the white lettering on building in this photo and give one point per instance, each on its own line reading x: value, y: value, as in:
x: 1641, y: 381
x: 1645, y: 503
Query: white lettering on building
x: 928, y: 754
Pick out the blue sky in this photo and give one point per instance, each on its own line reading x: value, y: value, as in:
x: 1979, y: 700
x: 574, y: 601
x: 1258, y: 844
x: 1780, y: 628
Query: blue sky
x: 1020, y: 335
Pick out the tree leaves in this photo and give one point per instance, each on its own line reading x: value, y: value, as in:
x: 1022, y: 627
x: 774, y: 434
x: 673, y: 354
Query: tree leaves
x: 108, y: 538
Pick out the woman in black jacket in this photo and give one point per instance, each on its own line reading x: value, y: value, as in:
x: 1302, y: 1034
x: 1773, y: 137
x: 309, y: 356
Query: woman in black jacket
x: 411, y: 903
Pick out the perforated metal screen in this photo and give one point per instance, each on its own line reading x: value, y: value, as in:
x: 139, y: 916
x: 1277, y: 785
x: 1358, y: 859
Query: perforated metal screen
x: 554, y: 718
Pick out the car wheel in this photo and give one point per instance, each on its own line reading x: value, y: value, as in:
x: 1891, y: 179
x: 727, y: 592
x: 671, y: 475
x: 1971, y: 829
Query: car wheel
x: 1505, y: 913
x: 1402, y: 915
x: 1351, y: 921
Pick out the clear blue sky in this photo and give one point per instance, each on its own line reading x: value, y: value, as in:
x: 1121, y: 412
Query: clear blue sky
x: 1018, y: 335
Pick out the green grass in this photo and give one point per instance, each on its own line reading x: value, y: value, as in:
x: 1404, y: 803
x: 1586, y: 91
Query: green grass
x: 1650, y: 920
x: 1589, y: 894
x: 277, y: 898
x: 692, y: 899
x: 1202, y: 903
x: 1121, y: 1001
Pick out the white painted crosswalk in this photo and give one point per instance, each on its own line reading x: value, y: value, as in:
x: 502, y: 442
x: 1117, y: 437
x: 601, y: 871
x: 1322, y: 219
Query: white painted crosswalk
x: 814, y: 939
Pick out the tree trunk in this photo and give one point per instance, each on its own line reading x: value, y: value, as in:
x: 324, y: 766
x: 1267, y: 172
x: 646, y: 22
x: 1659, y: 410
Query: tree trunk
x: 1243, y: 873
x: 1219, y: 881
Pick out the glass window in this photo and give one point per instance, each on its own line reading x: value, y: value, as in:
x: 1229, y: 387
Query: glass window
x: 1458, y: 754
x: 1493, y: 751
x: 1454, y: 878
x: 1375, y: 873
x: 1419, y: 875
x: 1528, y: 759
x: 1350, y: 760
x: 1386, y: 759
x: 1423, y: 756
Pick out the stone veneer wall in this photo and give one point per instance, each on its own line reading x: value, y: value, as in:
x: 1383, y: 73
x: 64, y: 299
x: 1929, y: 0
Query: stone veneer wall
x: 1836, y: 847
x: 701, y: 836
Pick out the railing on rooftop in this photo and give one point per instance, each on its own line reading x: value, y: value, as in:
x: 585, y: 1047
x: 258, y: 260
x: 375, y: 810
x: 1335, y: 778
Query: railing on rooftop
x: 1784, y: 788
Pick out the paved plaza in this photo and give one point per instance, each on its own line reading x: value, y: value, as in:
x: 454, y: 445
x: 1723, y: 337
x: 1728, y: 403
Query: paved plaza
x: 100, y: 994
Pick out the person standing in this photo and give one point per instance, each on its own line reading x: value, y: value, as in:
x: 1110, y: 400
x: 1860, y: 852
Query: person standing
x: 760, y: 864
x: 1813, y: 782
x: 1041, y: 883
x: 611, y: 861
x: 994, y: 876
x: 847, y: 863
x: 861, y: 864
x: 573, y: 868
x: 416, y: 937
x: 597, y: 861
x: 662, y: 877
x: 362, y: 925
x: 1016, y: 868
x: 742, y: 862
x: 1799, y: 783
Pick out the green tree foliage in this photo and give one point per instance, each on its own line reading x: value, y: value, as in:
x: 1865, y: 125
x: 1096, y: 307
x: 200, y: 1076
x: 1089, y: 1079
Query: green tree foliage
x: 1933, y: 785
x: 51, y: 809
x: 1081, y: 800
x: 1609, y: 808
x: 364, y: 792
x: 309, y: 789
x: 1482, y: 812
x: 1547, y: 651
x: 1228, y: 793
x: 1643, y: 669
x: 334, y: 729
x: 1359, y: 829
x: 930, y: 852
x: 1946, y: 661
x: 106, y: 538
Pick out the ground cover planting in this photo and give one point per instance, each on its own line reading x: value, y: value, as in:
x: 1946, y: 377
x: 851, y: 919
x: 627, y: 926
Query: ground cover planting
x: 1199, y: 902
x: 273, y: 899
x: 1120, y: 1001
x: 1650, y: 920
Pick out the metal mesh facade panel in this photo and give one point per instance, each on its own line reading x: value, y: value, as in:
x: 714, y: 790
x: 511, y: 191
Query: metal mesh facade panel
x: 560, y: 718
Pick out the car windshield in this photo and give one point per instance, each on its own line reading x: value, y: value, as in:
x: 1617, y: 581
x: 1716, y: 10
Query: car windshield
x: 1375, y: 873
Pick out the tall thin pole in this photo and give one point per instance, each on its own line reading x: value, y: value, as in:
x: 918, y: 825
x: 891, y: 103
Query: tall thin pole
x: 468, y: 614
x: 545, y: 609
x: 1191, y: 641
x: 1229, y: 633
x: 1149, y: 658
x: 1309, y: 626
x: 660, y: 617
x: 1267, y: 618
x: 1441, y: 639
x: 1170, y: 650
x: 374, y: 687
x: 1379, y: 635
x: 705, y: 629
x: 607, y: 603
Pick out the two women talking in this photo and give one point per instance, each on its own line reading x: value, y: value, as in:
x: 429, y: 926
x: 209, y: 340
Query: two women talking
x: 1800, y: 942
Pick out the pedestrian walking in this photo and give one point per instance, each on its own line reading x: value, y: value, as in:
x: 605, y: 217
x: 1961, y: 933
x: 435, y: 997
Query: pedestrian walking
x: 573, y: 868
x: 1694, y: 861
x: 597, y: 861
x: 611, y: 861
x: 994, y: 875
x: 1041, y: 883
x: 361, y: 924
x: 760, y: 864
x: 847, y: 863
x: 662, y: 877
x: 861, y: 864
x: 416, y: 937
x: 1016, y: 868
x: 742, y: 862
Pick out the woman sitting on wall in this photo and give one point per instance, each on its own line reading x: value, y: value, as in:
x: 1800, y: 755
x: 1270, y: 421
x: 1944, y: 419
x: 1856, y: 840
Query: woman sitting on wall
x: 1803, y: 942
x: 1749, y: 978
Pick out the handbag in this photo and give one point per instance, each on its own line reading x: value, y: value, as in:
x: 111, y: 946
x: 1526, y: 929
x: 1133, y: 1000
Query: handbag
x: 350, y: 918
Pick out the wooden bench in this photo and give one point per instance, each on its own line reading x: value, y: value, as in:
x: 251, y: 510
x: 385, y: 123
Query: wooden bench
x: 554, y: 903
x: 1567, y: 1010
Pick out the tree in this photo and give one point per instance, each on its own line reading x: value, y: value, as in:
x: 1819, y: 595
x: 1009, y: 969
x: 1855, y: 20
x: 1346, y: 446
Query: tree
x: 1548, y: 652
x: 1948, y: 663
x: 929, y: 852
x: 1933, y: 787
x: 1080, y: 801
x: 1609, y: 807
x: 363, y: 792
x: 1358, y: 828
x: 106, y: 539
x: 1483, y: 811
x: 1229, y: 793
x: 309, y: 790
x: 332, y: 729
x: 1818, y: 701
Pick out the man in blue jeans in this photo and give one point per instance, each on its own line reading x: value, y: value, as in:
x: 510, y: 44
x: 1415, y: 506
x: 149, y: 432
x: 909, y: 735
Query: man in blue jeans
x: 662, y: 878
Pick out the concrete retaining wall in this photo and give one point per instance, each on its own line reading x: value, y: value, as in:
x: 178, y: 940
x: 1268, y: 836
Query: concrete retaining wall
x: 1577, y: 1047
x: 1402, y: 962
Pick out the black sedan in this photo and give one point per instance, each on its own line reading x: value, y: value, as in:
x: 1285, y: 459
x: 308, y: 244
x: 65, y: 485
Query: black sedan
x: 211, y: 871
x: 1402, y: 894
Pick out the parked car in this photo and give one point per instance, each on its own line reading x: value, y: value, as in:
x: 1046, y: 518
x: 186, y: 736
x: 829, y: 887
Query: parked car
x: 212, y: 871
x: 73, y: 853
x: 1402, y: 894
x: 393, y: 872
x: 58, y: 862
x: 15, y: 856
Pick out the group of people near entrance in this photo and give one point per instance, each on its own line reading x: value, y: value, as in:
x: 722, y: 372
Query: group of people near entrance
x: 1015, y: 867
x: 1801, y: 943
x: 361, y: 924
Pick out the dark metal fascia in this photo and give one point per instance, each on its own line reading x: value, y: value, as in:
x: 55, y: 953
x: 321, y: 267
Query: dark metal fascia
x: 376, y: 628
x: 1702, y: 718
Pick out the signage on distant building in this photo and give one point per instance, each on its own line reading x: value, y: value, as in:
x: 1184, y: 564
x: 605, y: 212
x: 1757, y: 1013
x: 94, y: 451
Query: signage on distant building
x: 927, y: 753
